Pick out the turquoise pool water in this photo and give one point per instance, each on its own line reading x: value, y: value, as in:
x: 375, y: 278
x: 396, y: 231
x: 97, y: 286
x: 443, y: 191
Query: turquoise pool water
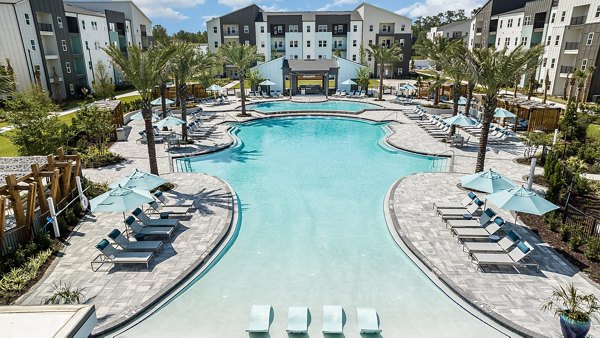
x: 312, y: 233
x: 287, y: 106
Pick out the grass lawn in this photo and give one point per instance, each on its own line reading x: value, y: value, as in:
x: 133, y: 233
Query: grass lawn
x: 131, y: 98
x: 593, y: 131
x: 7, y: 148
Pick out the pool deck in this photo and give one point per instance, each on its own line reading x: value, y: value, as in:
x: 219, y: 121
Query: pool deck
x: 505, y: 293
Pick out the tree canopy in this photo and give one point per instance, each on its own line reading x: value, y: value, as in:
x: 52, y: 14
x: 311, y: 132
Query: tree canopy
x: 422, y: 24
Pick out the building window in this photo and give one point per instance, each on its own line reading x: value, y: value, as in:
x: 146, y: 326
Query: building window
x: 32, y: 45
x: 296, y: 57
x: 548, y: 40
x: 370, y: 28
x: 64, y: 45
x: 320, y: 43
x: 516, y: 41
x: 307, y: 43
x: 308, y: 29
x: 524, y: 41
x: 506, y: 42
x: 322, y: 28
x: 401, y: 57
x: 27, y: 19
x: 59, y: 22
x: 369, y: 58
x: 552, y: 62
x: 354, y: 43
x: 96, y: 45
x: 293, y: 43
x: 518, y: 22
x: 82, y: 24
x: 402, y: 28
x: 498, y: 43
x: 87, y: 45
x: 262, y: 29
x: 501, y: 21
x: 262, y: 44
x: 353, y: 57
x: 556, y: 41
x: 544, y: 62
x: 320, y: 56
x: 370, y: 42
x: 562, y: 16
x: 552, y: 17
x: 246, y: 29
x: 509, y: 23
x: 215, y: 29
x: 584, y: 64
x: 527, y: 21
x: 68, y: 67
x: 354, y: 28
x: 216, y: 44
x: 72, y: 89
x: 590, y: 38
x: 293, y: 28
x: 308, y: 57
x: 401, y: 42
x: 598, y: 11
x: 247, y: 43
x: 485, y: 25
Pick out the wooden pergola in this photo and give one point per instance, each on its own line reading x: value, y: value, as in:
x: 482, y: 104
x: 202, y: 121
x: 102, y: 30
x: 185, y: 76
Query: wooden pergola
x: 116, y: 109
x: 26, y: 191
x: 540, y: 116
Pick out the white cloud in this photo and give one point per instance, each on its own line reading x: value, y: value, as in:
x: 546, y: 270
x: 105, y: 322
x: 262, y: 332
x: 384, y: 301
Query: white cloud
x: 168, y: 9
x: 165, y: 12
x: 235, y: 4
x: 433, y: 7
x: 337, y: 3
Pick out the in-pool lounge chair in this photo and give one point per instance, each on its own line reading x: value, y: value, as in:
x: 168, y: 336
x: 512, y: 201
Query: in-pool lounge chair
x: 170, y: 210
x: 110, y: 254
x: 297, y: 319
x: 501, y: 246
x: 139, y: 230
x: 516, y: 257
x: 478, y: 233
x: 154, y: 222
x: 260, y: 318
x: 368, y: 321
x: 167, y: 202
x: 463, y: 204
x: 482, y: 221
x: 332, y: 319
x: 128, y: 245
x: 472, y: 211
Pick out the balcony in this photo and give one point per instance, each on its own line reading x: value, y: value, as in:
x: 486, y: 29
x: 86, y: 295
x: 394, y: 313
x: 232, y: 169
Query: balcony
x: 539, y: 24
x: 279, y: 48
x: 571, y: 47
x: 45, y: 29
x: 231, y: 34
x: 566, y: 70
x: 578, y: 20
x: 478, y: 30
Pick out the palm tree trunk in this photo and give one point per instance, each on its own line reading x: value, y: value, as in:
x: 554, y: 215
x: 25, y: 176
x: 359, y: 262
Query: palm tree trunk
x: 546, y: 80
x: 381, y: 82
x: 530, y: 88
x: 163, y: 93
x: 565, y: 87
x: 488, y: 111
x: 516, y: 88
x: 177, y: 102
x: 243, y: 92
x: 147, y: 114
x: 456, y: 94
x: 583, y: 98
x: 470, y: 88
x: 183, y: 99
x: 571, y: 87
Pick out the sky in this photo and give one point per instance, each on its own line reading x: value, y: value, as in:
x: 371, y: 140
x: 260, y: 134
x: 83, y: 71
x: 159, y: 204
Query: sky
x: 191, y: 15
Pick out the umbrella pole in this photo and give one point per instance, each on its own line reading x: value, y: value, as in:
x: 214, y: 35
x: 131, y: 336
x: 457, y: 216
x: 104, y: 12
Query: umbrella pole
x: 126, y: 231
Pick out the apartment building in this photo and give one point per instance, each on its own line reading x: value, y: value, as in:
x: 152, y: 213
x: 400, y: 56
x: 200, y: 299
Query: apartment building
x: 315, y: 35
x: 57, y: 44
x: 453, y: 30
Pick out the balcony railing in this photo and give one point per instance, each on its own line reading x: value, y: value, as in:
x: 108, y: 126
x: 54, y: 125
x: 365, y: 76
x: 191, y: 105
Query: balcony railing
x: 478, y: 30
x: 231, y: 33
x: 578, y: 20
x: 45, y: 27
x: 539, y: 24
x: 571, y: 45
x: 566, y: 69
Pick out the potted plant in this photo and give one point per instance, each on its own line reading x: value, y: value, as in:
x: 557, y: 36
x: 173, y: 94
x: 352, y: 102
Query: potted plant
x: 574, y: 309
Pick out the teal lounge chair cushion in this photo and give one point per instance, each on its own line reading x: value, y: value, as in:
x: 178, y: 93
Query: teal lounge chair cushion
x: 130, y: 220
x: 102, y: 245
x: 472, y: 195
x: 114, y: 234
x: 499, y: 221
x: 512, y: 236
x: 523, y: 247
x: 137, y: 211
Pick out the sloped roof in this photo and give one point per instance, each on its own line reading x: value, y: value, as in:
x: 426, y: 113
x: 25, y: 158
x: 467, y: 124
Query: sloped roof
x: 79, y: 10
x: 313, y: 65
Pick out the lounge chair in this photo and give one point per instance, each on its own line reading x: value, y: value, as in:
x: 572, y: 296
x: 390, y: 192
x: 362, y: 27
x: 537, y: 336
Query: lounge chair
x: 297, y: 319
x: 127, y: 245
x: 501, y: 246
x: 464, y: 203
x: 476, y: 233
x: 144, y: 138
x: 167, y: 202
x: 139, y: 230
x: 171, y: 210
x: 368, y: 321
x: 482, y: 221
x: 516, y: 257
x: 332, y: 319
x: 111, y: 254
x: 154, y: 222
x: 473, y: 210
x: 260, y: 318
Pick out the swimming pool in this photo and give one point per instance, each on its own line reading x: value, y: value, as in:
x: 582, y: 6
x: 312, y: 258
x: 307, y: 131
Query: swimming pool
x: 325, y: 106
x: 312, y: 233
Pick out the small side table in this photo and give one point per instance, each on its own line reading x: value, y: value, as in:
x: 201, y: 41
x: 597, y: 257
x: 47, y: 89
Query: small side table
x: 494, y: 238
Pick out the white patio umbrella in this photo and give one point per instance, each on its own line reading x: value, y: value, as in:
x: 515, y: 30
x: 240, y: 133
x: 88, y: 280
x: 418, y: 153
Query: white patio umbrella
x: 140, y: 180
x: 268, y: 83
x: 487, y: 181
x: 501, y: 112
x: 169, y: 121
x: 460, y: 120
x: 521, y: 200
x: 348, y: 82
x: 121, y: 199
x: 140, y: 116
x: 158, y: 101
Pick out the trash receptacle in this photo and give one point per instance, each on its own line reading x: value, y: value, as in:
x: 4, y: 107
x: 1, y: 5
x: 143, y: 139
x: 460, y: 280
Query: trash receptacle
x: 121, y: 134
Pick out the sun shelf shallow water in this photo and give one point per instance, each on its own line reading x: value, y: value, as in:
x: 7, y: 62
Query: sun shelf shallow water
x: 325, y: 106
x: 312, y: 233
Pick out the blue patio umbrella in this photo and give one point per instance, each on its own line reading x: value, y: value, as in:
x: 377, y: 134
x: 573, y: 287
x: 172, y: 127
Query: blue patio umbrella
x: 139, y: 116
x: 487, y: 181
x: 501, y: 112
x: 121, y: 199
x: 140, y: 180
x: 460, y: 120
x: 158, y: 102
x: 521, y: 200
x: 408, y: 86
x: 169, y: 121
x: 462, y: 101
x: 214, y: 88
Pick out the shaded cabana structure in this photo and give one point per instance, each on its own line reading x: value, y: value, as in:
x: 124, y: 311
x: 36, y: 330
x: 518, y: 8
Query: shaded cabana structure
x: 196, y: 90
x: 540, y: 116
x: 116, y: 109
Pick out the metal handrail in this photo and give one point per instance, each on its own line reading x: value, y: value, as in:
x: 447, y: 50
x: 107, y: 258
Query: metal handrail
x: 451, y: 164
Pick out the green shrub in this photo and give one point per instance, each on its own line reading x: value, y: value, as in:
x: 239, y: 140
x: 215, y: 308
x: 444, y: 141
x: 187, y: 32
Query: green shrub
x: 94, y: 158
x: 94, y: 189
x: 65, y: 294
x: 18, y: 278
x: 554, y: 221
x: 565, y: 232
x: 576, y: 238
x: 592, y: 249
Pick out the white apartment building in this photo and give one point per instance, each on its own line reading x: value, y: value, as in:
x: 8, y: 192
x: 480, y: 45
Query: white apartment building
x: 453, y: 30
x: 314, y: 35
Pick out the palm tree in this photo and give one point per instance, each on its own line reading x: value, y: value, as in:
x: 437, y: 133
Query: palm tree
x: 590, y: 70
x: 241, y: 57
x: 492, y: 70
x: 435, y: 50
x: 255, y: 78
x: 187, y: 63
x: 454, y: 66
x: 143, y: 70
x: 7, y: 81
x: 384, y: 56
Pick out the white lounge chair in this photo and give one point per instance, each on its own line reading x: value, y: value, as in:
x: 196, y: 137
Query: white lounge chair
x: 483, y: 220
x: 516, y: 257
x: 368, y: 321
x: 297, y: 319
x: 170, y: 210
x: 475, y: 233
x: 464, y: 203
x: 167, y: 202
x: 110, y: 254
x: 501, y: 246
x: 333, y: 319
x: 140, y: 230
x: 154, y: 222
x: 473, y: 210
x: 128, y: 245
x: 260, y: 318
